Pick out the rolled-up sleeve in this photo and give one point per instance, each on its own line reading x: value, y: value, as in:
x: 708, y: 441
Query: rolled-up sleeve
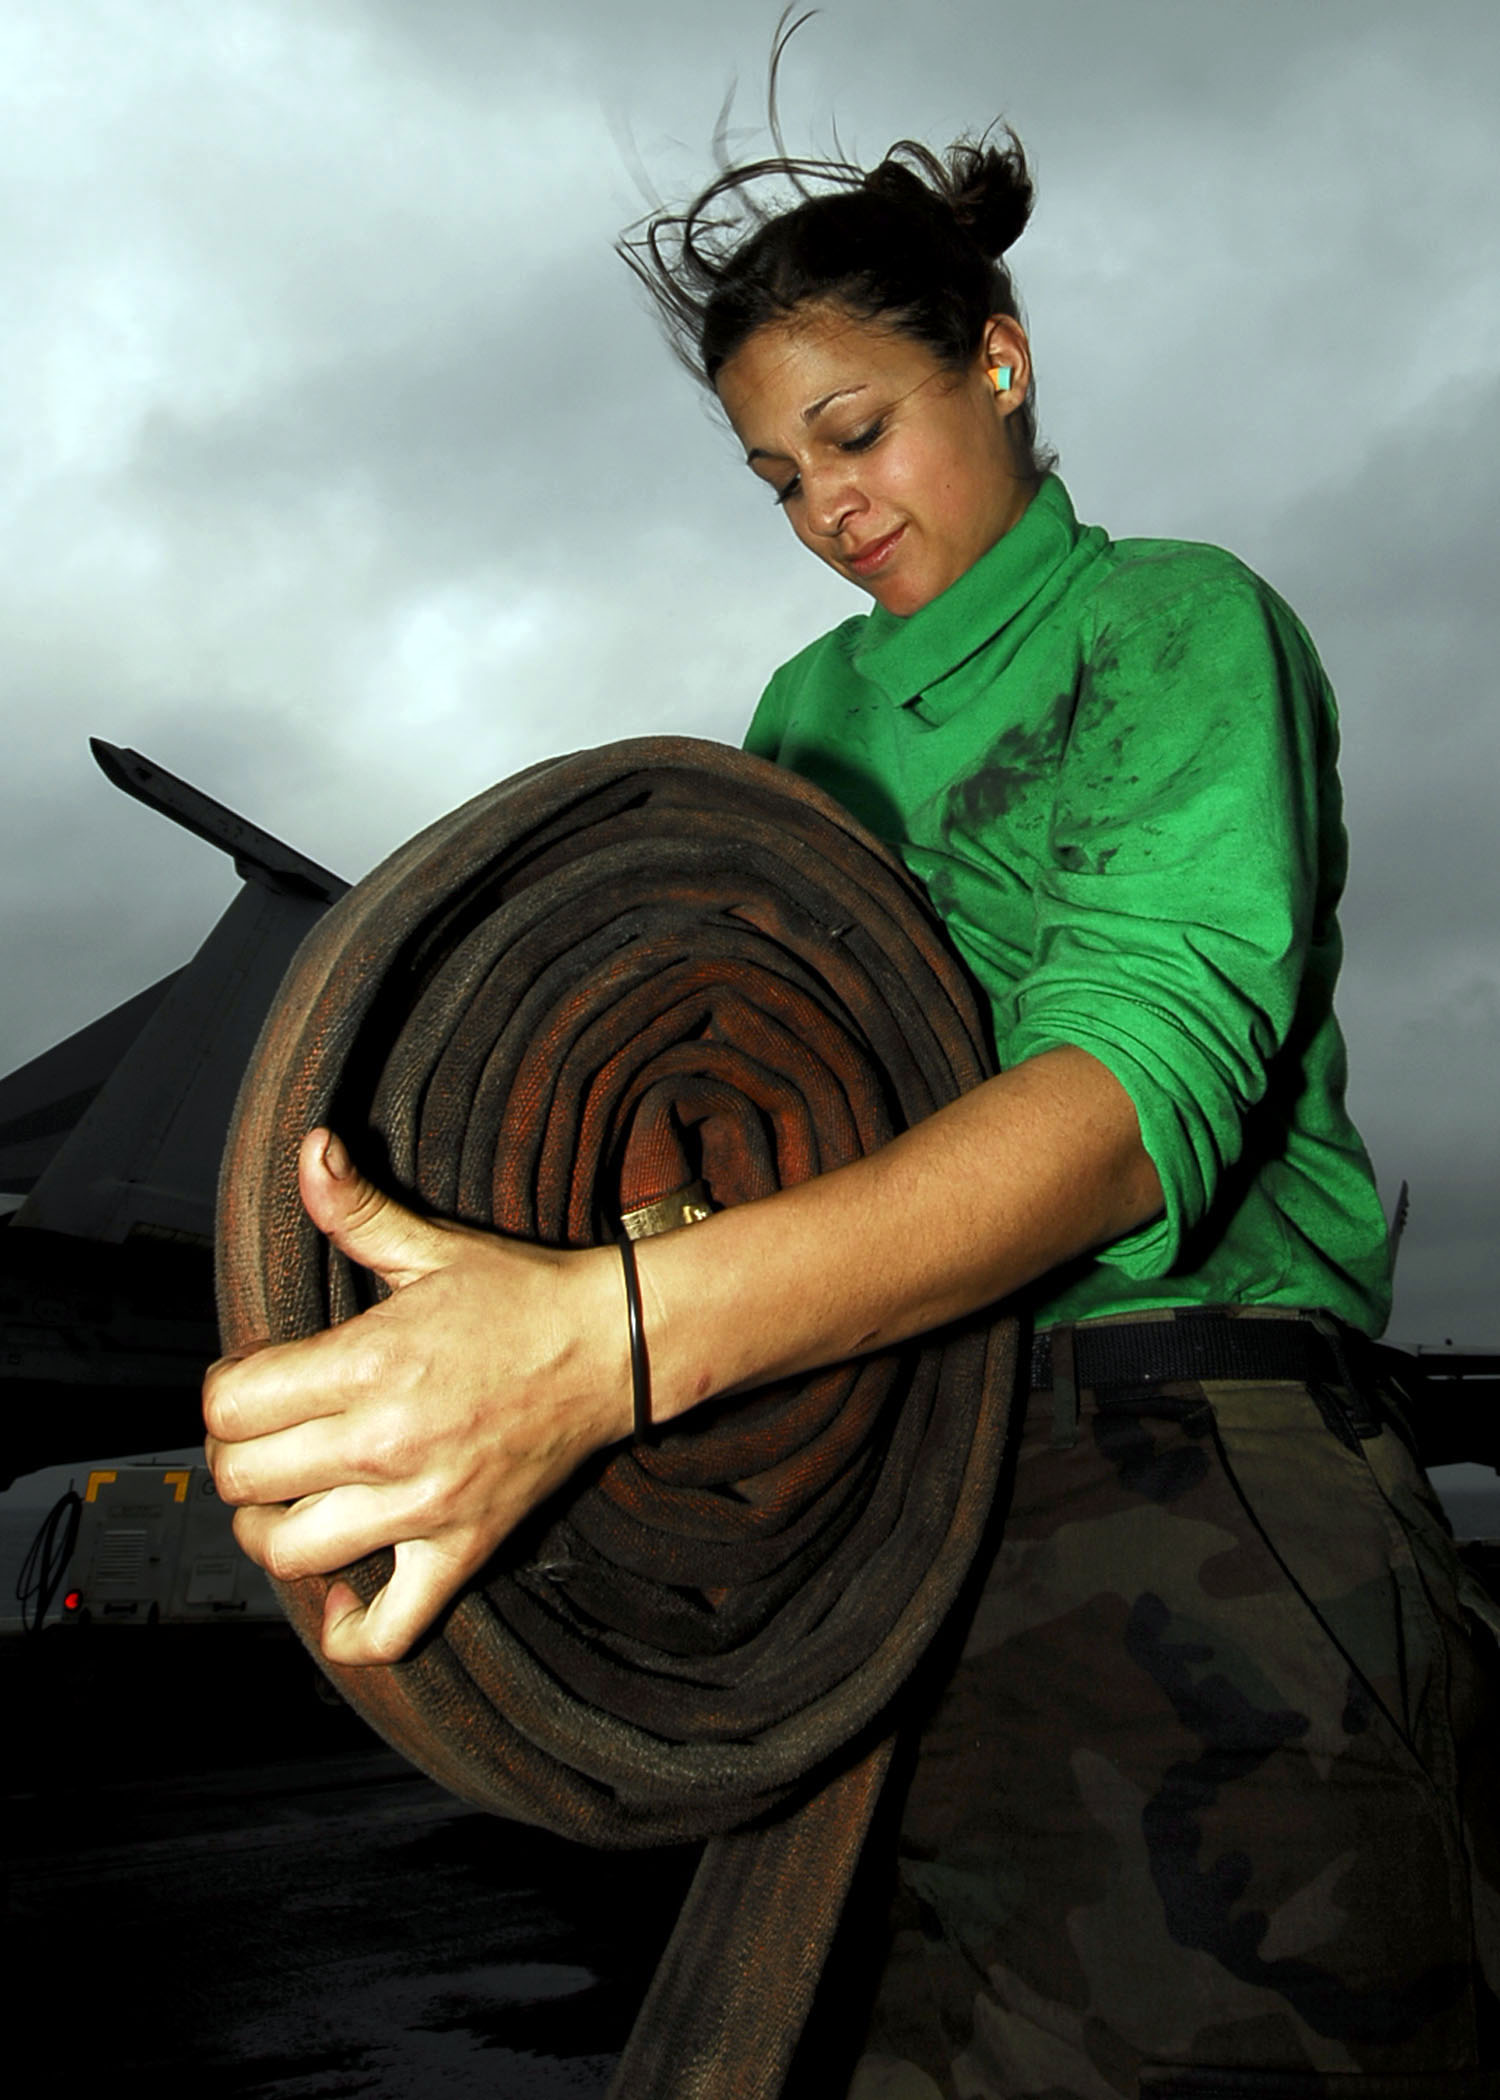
x: 1179, y: 895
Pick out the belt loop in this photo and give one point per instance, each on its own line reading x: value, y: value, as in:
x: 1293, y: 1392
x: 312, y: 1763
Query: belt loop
x: 1064, y: 1391
x: 1359, y: 1408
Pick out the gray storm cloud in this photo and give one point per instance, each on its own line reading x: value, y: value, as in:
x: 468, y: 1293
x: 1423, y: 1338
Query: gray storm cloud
x: 345, y: 473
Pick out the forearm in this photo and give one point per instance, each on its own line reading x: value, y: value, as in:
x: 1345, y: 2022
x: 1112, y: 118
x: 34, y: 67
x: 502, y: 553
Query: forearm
x: 438, y: 1419
x: 1034, y: 1167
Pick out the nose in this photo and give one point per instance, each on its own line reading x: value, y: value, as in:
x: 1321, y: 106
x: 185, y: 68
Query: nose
x: 831, y: 498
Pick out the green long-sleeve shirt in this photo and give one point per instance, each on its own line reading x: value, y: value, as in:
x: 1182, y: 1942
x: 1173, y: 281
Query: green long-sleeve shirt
x: 1112, y: 764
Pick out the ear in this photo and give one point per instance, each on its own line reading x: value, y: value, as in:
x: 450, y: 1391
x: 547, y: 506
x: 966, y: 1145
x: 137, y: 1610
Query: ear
x: 1003, y: 344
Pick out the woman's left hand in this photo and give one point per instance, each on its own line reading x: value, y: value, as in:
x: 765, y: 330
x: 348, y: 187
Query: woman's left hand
x: 433, y: 1423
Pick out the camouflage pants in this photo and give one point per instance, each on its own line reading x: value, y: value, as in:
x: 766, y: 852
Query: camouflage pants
x: 1209, y: 1804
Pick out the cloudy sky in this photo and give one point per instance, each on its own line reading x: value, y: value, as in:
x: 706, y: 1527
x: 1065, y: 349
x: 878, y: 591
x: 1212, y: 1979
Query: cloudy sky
x: 344, y: 473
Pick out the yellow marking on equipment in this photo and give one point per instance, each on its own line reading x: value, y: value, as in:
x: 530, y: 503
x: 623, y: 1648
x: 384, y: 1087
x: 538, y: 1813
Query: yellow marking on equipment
x: 96, y: 1481
x: 178, y: 1481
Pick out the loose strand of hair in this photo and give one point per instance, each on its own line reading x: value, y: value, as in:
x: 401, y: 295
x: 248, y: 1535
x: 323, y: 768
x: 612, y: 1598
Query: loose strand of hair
x: 785, y: 31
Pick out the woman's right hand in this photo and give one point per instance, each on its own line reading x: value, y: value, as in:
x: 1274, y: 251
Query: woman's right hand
x: 432, y: 1423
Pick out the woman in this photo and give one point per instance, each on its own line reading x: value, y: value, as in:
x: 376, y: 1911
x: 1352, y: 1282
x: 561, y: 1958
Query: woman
x: 1203, y: 1788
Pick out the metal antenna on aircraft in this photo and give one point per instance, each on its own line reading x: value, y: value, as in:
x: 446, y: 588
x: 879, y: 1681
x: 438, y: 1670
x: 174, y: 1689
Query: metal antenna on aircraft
x: 1398, y: 1222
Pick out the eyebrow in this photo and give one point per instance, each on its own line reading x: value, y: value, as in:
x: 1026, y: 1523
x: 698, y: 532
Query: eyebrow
x: 809, y: 415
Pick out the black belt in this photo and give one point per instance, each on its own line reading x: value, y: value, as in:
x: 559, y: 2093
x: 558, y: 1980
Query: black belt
x: 1193, y: 1344
x: 1110, y: 1357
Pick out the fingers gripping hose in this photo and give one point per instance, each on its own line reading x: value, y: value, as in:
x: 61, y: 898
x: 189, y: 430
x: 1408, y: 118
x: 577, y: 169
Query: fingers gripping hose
x: 621, y: 974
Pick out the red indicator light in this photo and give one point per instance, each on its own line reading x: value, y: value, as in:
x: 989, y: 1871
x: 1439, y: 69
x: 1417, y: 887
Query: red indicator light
x: 72, y: 1600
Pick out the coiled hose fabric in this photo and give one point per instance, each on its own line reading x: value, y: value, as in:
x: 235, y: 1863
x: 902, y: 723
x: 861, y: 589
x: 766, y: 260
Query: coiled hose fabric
x: 620, y: 974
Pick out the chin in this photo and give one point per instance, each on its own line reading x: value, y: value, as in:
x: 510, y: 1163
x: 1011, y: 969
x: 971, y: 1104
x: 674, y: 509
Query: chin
x: 908, y: 589
x: 904, y: 598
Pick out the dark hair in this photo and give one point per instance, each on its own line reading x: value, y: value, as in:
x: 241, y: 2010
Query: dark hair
x: 915, y: 242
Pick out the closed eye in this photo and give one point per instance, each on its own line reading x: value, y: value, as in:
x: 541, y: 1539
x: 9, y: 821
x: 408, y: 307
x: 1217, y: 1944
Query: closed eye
x: 863, y: 439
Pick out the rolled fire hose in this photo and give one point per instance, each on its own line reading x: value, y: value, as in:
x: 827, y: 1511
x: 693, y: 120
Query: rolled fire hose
x: 638, y: 984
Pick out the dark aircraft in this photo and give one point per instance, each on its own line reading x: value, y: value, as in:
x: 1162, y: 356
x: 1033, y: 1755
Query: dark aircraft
x: 111, y: 1143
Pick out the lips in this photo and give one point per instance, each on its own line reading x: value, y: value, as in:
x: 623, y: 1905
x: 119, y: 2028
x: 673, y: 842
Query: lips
x: 871, y: 556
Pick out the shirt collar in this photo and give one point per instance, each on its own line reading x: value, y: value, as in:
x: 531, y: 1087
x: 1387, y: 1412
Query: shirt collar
x: 903, y: 657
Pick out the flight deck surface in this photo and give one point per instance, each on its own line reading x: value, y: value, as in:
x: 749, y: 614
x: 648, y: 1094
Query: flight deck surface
x: 311, y: 1922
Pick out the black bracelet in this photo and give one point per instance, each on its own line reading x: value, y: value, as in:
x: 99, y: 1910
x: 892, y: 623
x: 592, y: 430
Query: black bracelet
x: 640, y: 1368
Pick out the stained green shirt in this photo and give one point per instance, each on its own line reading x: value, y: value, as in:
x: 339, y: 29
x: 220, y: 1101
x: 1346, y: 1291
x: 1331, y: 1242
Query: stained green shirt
x: 1112, y: 764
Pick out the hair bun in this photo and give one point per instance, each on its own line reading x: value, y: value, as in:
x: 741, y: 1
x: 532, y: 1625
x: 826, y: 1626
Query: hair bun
x: 986, y: 189
x: 993, y: 193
